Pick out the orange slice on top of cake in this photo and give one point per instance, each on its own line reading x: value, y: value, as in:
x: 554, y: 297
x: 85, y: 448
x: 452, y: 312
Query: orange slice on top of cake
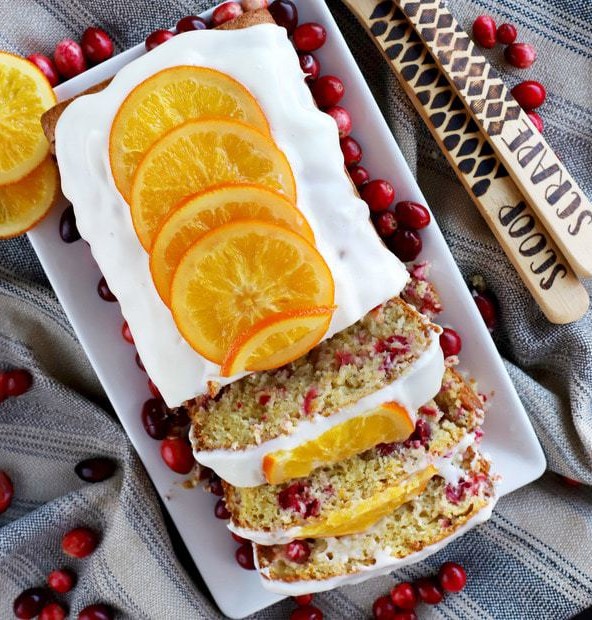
x: 240, y: 273
x: 194, y: 216
x: 168, y: 99
x: 200, y: 155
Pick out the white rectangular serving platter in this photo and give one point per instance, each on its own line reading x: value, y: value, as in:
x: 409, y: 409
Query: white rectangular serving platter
x: 509, y: 437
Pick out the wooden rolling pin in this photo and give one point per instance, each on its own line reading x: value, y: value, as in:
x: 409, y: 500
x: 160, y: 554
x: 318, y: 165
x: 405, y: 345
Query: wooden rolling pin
x: 535, y: 256
x: 543, y: 180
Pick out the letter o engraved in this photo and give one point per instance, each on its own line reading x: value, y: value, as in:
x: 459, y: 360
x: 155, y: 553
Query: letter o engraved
x: 533, y: 249
x: 517, y: 230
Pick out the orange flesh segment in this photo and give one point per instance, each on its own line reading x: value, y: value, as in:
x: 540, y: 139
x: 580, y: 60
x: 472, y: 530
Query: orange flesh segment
x: 25, y: 94
x: 277, y: 340
x: 26, y: 202
x: 200, y: 155
x: 168, y: 99
x: 244, y: 271
x: 366, y: 513
x: 388, y: 423
x: 198, y: 214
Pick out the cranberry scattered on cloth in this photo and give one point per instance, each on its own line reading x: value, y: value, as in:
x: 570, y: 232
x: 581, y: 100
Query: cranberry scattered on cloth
x: 549, y: 365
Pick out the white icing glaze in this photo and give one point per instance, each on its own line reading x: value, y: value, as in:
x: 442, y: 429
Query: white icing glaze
x: 449, y: 467
x: 421, y: 382
x: 262, y: 58
x: 385, y: 563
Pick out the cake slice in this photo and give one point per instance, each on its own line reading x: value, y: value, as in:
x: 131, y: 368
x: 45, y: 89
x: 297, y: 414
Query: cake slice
x: 413, y: 531
x: 352, y: 495
x: 270, y: 425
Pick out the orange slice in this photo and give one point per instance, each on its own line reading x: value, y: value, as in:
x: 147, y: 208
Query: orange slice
x: 388, y: 423
x: 364, y: 514
x: 26, y: 202
x: 199, y: 155
x: 198, y: 214
x: 167, y: 99
x: 240, y: 273
x: 25, y: 94
x: 277, y: 340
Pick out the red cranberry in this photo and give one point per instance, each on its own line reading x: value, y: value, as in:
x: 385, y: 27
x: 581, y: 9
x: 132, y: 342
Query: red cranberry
x: 176, y: 453
x: 307, y: 612
x: 411, y: 214
x: 29, y: 603
x: 328, y: 90
x: 309, y: 37
x: 95, y: 469
x: 284, y: 14
x: 386, y: 224
x: 104, y: 291
x: 310, y: 65
x: 536, y: 120
x: 297, y: 497
x: 215, y: 485
x: 359, y: 176
x: 352, y: 151
x: 15, y: 382
x: 404, y: 596
x: 487, y: 307
x: 529, y: 94
x: 298, y: 551
x: 405, y: 615
x: 139, y: 363
x: 156, y: 38
x: 226, y: 12
x: 61, y: 580
x: 405, y: 244
x: 53, y: 611
x: 421, y: 434
x: 80, y: 542
x: 96, y: 45
x: 303, y: 599
x: 47, y: 67
x: 506, y: 34
x: 191, y: 22
x: 484, y: 30
x: 221, y: 511
x: 520, y: 55
x: 126, y: 333
x: 155, y: 418
x: 178, y: 421
x: 383, y: 608
x: 342, y: 118
x: 429, y: 591
x: 450, y: 342
x: 379, y: 195
x: 239, y: 539
x: 98, y: 611
x: 452, y: 577
x: 244, y: 556
x: 68, y: 229
x: 69, y: 58
x: 153, y: 389
x: 6, y: 491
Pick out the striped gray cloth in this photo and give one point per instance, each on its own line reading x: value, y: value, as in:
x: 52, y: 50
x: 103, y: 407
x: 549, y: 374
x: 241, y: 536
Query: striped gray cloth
x: 531, y: 560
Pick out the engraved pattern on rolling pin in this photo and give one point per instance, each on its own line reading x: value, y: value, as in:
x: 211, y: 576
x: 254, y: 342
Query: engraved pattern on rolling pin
x: 513, y: 222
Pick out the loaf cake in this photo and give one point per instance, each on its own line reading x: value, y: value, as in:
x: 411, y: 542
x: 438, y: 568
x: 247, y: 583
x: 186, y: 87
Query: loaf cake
x: 359, y: 454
